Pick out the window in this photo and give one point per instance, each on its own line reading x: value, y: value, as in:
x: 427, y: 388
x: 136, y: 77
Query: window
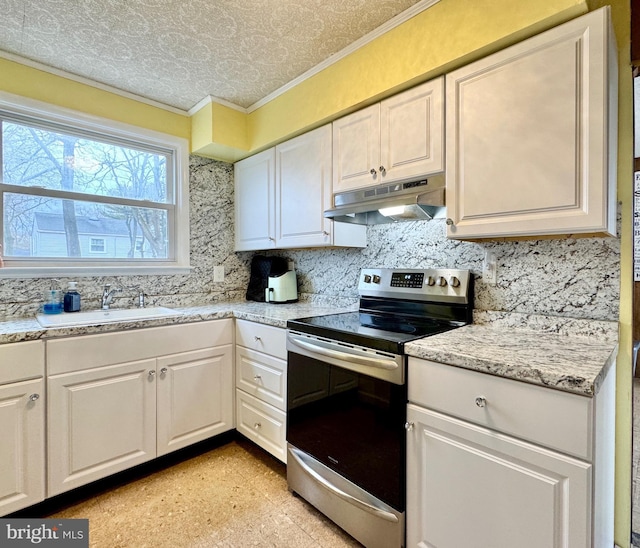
x: 84, y: 197
x: 97, y: 245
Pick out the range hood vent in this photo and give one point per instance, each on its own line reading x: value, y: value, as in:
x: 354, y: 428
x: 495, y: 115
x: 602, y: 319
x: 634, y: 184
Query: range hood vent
x: 412, y: 201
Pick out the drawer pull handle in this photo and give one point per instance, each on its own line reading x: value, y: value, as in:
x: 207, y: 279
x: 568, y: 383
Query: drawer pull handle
x: 164, y: 371
x: 257, y: 338
x: 34, y: 397
x: 257, y: 425
x: 257, y: 377
x: 152, y: 374
x: 408, y: 426
x: 481, y: 401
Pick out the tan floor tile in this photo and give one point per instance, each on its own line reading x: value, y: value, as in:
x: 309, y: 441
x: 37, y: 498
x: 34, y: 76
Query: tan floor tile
x: 233, y: 496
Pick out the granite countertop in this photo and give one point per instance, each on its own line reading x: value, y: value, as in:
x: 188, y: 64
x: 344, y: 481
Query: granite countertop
x: 28, y: 329
x: 570, y: 363
x: 569, y: 355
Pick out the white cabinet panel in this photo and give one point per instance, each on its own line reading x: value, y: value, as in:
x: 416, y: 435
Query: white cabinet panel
x: 262, y: 376
x: 531, y: 136
x: 195, y: 397
x: 101, y: 421
x: 255, y: 226
x: 356, y: 150
x: 22, y: 452
x: 470, y: 486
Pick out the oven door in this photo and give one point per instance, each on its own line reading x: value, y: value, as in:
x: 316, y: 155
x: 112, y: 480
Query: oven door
x: 344, y: 412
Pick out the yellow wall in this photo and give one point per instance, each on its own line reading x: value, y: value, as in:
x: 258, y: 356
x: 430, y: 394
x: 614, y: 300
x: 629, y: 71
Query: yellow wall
x: 43, y: 86
x: 445, y: 36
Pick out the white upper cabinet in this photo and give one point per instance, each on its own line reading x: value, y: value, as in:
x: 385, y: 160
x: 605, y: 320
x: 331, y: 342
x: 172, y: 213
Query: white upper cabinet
x: 255, y: 223
x: 281, y: 196
x: 398, y: 139
x: 531, y: 136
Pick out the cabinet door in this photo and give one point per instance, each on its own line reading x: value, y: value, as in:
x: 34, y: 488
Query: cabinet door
x: 100, y: 421
x: 412, y: 132
x: 195, y: 397
x: 263, y: 424
x: 530, y: 150
x: 303, y: 190
x: 356, y: 150
x: 470, y: 486
x: 22, y: 449
x: 255, y: 202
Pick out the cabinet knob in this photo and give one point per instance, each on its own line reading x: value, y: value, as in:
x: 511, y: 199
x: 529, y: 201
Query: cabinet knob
x: 408, y: 426
x: 325, y: 233
x: 257, y: 425
x: 164, y: 371
x: 272, y: 239
x: 257, y: 377
x: 34, y: 397
x: 382, y: 170
x: 257, y: 339
x: 152, y: 374
x: 481, y: 401
x: 373, y: 172
x: 449, y: 222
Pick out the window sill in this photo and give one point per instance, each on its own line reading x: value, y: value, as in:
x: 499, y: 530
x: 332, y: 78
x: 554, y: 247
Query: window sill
x: 91, y: 271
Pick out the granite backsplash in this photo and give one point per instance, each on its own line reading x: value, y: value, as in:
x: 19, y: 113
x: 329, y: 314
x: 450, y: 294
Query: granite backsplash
x: 564, y: 277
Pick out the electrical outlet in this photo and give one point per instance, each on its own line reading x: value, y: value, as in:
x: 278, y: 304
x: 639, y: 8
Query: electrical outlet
x: 218, y: 273
x: 490, y: 268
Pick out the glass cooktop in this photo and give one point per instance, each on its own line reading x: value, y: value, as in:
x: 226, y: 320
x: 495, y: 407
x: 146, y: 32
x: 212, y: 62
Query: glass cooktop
x: 380, y: 332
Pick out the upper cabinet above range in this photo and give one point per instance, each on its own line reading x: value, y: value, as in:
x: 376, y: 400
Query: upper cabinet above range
x: 398, y: 139
x: 531, y: 136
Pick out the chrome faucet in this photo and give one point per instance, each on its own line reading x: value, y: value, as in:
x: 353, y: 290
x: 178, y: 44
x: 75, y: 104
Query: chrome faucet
x: 107, y: 295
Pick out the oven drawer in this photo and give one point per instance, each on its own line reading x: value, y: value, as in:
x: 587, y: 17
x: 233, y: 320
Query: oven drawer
x: 262, y: 376
x: 513, y: 407
x: 263, y: 338
x: 262, y: 423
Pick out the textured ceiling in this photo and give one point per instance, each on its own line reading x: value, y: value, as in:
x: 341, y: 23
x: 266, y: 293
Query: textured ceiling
x: 179, y: 52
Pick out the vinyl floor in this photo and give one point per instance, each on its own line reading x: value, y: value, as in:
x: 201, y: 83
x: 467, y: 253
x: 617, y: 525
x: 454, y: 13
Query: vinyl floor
x: 234, y: 496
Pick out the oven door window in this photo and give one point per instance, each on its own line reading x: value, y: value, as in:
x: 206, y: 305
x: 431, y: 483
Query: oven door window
x: 352, y: 423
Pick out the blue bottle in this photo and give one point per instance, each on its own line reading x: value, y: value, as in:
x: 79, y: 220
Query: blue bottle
x: 72, y: 298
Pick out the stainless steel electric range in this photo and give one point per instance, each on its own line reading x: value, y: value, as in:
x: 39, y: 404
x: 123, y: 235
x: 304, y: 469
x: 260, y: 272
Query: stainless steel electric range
x: 347, y: 396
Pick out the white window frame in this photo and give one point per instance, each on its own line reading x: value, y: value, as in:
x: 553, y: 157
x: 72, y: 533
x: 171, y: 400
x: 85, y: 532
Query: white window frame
x: 94, y: 239
x: 176, y: 147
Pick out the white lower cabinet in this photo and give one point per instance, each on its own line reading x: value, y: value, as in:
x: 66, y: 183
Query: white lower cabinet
x: 120, y: 399
x: 22, y: 403
x: 261, y: 385
x: 471, y: 484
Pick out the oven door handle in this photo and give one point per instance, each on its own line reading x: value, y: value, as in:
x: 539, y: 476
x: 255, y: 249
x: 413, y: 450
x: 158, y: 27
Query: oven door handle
x: 299, y: 458
x: 319, y: 348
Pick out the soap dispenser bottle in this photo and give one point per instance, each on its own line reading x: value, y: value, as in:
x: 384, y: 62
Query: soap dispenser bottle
x: 72, y: 298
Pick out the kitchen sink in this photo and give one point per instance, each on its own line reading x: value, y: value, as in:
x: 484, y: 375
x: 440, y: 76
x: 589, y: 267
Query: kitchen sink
x: 93, y: 317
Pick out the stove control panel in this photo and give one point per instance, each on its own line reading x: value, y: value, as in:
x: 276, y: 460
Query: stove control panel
x: 434, y: 284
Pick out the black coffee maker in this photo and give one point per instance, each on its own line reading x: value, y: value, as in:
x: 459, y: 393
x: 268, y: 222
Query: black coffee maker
x: 261, y: 268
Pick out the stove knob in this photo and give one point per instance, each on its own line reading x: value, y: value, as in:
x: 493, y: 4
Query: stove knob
x: 442, y: 281
x: 376, y: 279
x: 367, y: 279
x: 431, y: 281
x: 454, y: 282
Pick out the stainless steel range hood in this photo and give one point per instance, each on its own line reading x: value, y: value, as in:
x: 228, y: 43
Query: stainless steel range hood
x: 412, y: 201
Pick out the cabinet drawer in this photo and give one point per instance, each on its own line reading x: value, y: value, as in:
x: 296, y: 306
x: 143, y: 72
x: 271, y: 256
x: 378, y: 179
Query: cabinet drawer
x: 262, y: 376
x: 263, y: 338
x: 516, y: 408
x: 21, y: 361
x: 262, y: 423
x: 88, y: 351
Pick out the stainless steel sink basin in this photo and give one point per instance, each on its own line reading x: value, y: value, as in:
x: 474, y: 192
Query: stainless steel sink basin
x: 93, y: 317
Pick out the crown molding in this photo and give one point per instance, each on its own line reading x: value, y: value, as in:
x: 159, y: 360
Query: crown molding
x: 87, y: 81
x: 211, y: 99
x: 366, y: 39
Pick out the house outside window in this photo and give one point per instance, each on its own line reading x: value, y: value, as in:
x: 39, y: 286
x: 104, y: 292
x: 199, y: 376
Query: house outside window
x: 97, y: 245
x: 80, y: 196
